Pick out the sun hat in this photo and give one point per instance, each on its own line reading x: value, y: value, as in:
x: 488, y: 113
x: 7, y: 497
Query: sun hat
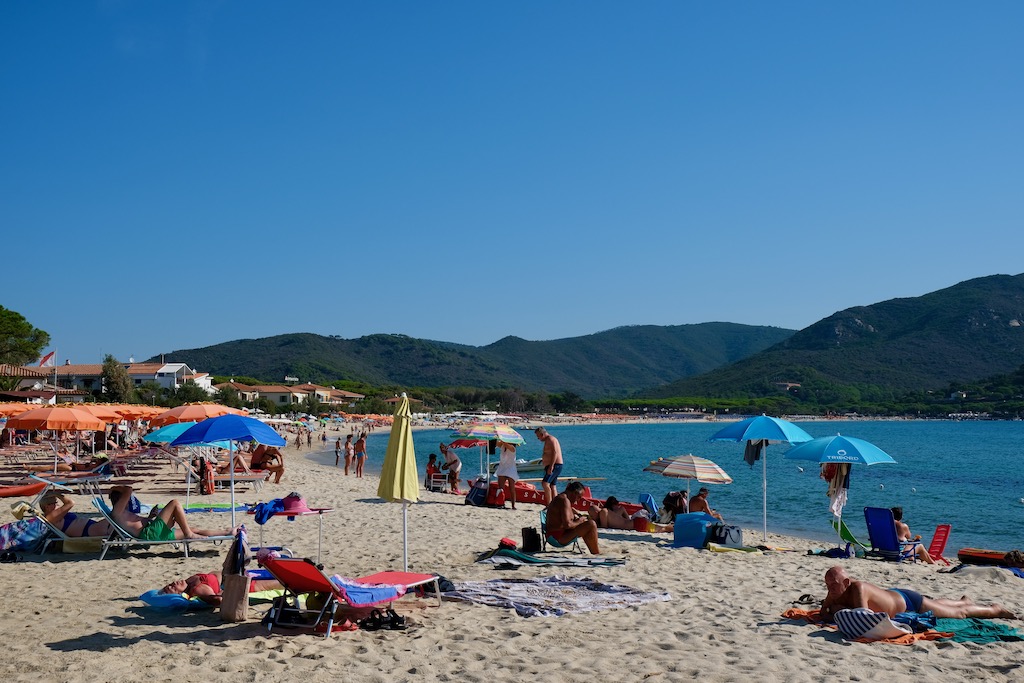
x: 295, y: 504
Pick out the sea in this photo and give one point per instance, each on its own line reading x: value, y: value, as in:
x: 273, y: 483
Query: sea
x: 969, y: 474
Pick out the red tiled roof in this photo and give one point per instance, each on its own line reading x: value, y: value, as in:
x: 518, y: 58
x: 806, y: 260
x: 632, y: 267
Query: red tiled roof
x: 8, y: 370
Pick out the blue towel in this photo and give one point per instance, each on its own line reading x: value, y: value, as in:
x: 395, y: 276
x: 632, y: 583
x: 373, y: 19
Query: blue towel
x: 264, y: 511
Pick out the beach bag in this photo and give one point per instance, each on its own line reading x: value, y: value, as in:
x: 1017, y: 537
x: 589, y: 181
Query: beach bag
x: 727, y: 535
x: 477, y: 494
x: 495, y: 496
x: 234, y: 582
x: 531, y: 540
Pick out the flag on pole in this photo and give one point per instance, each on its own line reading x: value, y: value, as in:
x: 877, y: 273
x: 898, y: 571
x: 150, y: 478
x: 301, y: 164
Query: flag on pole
x: 49, y: 360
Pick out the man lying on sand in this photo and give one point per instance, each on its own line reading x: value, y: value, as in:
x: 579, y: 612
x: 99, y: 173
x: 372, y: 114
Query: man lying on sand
x: 846, y: 593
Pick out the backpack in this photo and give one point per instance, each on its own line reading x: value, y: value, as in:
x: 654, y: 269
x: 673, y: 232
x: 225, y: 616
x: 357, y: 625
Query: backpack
x: 531, y: 540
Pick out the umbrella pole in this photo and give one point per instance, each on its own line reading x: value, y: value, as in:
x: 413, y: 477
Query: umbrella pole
x: 764, y: 490
x: 231, y: 468
x: 405, y: 536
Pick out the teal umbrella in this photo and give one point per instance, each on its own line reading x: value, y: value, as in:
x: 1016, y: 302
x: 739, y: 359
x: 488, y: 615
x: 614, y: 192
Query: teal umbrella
x: 764, y: 429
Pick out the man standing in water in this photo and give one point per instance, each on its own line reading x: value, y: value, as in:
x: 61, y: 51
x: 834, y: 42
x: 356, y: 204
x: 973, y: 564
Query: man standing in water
x: 552, y: 461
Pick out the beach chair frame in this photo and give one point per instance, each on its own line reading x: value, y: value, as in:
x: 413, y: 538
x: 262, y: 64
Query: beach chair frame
x: 885, y: 543
x: 120, y: 538
x: 301, y: 576
x: 545, y: 540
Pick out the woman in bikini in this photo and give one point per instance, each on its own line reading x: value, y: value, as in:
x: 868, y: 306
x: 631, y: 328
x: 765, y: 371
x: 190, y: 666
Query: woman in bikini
x: 207, y: 588
x: 68, y: 522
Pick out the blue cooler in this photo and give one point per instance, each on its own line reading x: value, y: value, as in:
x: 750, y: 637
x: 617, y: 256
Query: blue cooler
x: 692, y: 530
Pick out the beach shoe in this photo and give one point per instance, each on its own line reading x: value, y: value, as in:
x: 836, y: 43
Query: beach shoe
x: 806, y: 599
x: 374, y: 622
x: 393, y: 620
x: 10, y: 557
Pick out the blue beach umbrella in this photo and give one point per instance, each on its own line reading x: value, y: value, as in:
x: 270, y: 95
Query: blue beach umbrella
x: 839, y: 449
x: 169, y: 433
x: 230, y: 428
x: 764, y: 429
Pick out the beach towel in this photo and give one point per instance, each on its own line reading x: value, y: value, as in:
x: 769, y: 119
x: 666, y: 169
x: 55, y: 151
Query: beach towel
x: 22, y: 534
x: 978, y: 631
x: 517, y: 558
x: 552, y: 596
x: 364, y: 595
x: 813, y: 616
x: 264, y: 511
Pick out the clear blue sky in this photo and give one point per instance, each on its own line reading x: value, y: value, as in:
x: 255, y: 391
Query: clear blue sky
x: 179, y: 174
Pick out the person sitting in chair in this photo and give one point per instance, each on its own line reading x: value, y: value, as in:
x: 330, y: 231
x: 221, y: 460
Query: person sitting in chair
x: 68, y: 522
x: 159, y: 526
x: 903, y: 534
x: 565, y: 523
x: 268, y: 458
x: 699, y: 503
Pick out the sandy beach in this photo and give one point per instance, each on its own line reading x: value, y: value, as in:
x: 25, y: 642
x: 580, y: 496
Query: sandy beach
x: 72, y: 617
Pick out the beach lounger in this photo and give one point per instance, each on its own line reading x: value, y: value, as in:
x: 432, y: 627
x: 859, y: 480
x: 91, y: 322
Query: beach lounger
x: 938, y: 544
x: 847, y: 535
x: 120, y: 538
x: 55, y: 535
x: 885, y: 543
x: 546, y: 540
x: 301, y: 576
x: 83, y: 483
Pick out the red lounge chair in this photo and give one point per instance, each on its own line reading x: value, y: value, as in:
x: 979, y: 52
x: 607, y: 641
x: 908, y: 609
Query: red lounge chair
x: 938, y: 545
x: 301, y: 576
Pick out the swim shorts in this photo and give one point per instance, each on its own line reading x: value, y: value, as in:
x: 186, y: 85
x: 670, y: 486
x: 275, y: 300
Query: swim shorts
x: 912, y: 599
x: 156, y: 530
x: 553, y: 477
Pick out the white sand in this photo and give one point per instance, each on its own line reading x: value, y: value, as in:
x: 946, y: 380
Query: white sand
x: 74, y: 618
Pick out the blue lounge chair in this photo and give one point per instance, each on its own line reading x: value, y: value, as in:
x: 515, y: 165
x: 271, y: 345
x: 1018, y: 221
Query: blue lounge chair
x: 546, y: 540
x: 648, y: 503
x: 884, y: 541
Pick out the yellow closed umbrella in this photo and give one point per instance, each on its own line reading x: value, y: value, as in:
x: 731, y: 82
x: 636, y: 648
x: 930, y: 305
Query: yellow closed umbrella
x: 399, y: 480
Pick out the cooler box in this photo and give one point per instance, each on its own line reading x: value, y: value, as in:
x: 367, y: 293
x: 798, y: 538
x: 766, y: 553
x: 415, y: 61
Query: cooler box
x: 495, y: 496
x: 477, y: 493
x: 692, y: 530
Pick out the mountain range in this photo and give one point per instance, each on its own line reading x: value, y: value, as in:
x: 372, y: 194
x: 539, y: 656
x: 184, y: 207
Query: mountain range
x: 963, y: 333
x: 611, y: 363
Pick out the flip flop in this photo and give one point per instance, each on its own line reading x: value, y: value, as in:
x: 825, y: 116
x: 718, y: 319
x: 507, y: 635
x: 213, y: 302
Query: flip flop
x: 806, y: 599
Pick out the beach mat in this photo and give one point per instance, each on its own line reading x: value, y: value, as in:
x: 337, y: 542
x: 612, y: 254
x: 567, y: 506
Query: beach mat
x: 516, y: 558
x: 551, y: 596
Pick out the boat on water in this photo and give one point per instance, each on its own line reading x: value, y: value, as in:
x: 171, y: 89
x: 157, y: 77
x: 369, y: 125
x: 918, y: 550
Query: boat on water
x: 524, y: 466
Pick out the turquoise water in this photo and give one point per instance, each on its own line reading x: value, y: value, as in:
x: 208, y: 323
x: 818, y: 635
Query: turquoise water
x: 968, y: 474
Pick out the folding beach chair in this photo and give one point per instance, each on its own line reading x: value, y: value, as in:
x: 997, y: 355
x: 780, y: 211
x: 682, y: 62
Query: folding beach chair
x: 546, y: 540
x: 938, y: 544
x: 120, y: 538
x: 55, y: 535
x: 885, y: 543
x: 301, y: 576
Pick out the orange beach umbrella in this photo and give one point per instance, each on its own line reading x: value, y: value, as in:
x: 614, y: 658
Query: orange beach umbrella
x: 192, y: 412
x: 57, y: 418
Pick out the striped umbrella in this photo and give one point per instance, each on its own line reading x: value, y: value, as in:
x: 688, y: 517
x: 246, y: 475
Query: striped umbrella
x: 689, y: 467
x: 491, y: 430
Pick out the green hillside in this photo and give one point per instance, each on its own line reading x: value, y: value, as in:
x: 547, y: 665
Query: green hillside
x: 614, y: 362
x: 959, y: 334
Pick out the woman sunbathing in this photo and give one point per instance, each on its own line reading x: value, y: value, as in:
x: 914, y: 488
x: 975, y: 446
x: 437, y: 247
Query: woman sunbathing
x: 68, y: 522
x: 207, y: 588
x: 611, y: 515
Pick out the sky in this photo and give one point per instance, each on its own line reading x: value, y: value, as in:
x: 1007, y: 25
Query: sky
x: 177, y: 175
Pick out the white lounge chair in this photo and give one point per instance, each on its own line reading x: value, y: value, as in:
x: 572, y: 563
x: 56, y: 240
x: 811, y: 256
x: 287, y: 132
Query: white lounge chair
x: 119, y: 537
